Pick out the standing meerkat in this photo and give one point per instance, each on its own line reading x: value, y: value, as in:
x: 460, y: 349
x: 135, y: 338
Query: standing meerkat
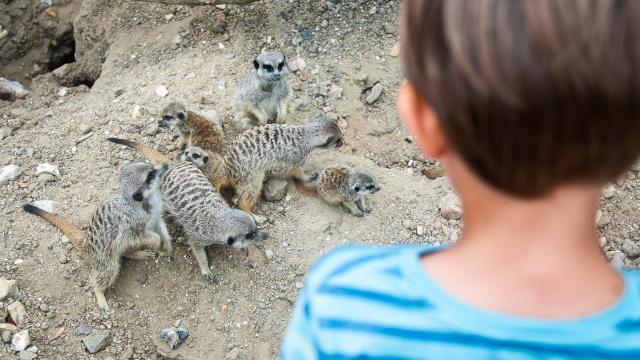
x: 263, y: 96
x: 198, y: 208
x: 274, y: 150
x: 343, y: 185
x: 121, y: 227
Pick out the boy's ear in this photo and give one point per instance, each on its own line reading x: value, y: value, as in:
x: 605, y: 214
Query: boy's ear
x: 422, y: 121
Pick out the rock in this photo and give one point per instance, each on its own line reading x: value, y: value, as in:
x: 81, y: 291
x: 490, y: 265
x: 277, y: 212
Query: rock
x: 375, y: 93
x: 84, y: 128
x: 617, y: 259
x: 5, y: 132
x: 62, y: 91
x: 62, y: 71
x: 17, y: 313
x: 395, y: 50
x: 9, y: 173
x: 433, y: 173
x: 174, y: 336
x: 168, y: 17
x: 297, y: 64
x: 11, y: 89
x: 44, y: 179
x: 420, y: 230
x: 27, y: 355
x: 47, y: 205
x: 44, y: 307
x: 97, y: 340
x: 83, y: 329
x: 268, y: 254
x: 450, y: 207
x: 361, y: 77
x: 301, y: 104
x: 322, y: 88
x: 335, y: 92
x: 630, y: 248
x: 275, y: 189
x: 12, y: 329
x: 6, y: 336
x: 47, y: 169
x: 306, y: 33
x: 237, y: 354
x: 408, y: 224
x: 7, y: 287
x: 151, y: 130
x: 221, y: 23
x: 20, y: 341
x: 162, y: 91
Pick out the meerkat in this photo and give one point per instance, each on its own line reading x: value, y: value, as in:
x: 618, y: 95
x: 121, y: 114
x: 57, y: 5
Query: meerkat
x: 264, y: 96
x: 274, y: 150
x: 125, y: 226
x: 198, y: 208
x: 343, y: 185
x: 193, y: 128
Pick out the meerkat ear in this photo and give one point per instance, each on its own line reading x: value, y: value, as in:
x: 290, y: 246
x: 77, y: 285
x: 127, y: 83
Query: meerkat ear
x: 255, y: 64
x: 182, y: 116
x: 357, y: 188
x: 205, y: 159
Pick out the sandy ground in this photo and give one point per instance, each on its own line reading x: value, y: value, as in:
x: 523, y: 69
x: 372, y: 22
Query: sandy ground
x: 245, y: 314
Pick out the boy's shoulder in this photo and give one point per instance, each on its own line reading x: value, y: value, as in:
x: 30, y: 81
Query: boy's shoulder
x: 378, y: 268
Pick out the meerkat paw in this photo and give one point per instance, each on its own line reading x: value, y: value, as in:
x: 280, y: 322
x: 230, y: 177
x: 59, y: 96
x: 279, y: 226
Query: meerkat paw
x: 210, y: 278
x: 102, y: 301
x: 358, y: 213
x: 167, y: 248
x: 142, y: 255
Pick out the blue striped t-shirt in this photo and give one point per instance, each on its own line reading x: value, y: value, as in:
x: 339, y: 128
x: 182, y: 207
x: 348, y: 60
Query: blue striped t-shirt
x: 378, y: 303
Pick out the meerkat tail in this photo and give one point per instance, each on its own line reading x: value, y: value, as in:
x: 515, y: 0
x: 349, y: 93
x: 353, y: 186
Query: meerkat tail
x: 74, y: 234
x: 306, y: 189
x: 151, y: 153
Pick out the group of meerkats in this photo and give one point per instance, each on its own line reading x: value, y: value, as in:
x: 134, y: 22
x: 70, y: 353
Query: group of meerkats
x: 200, y: 190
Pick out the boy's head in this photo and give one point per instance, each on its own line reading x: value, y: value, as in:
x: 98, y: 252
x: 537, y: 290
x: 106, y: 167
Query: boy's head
x: 529, y: 94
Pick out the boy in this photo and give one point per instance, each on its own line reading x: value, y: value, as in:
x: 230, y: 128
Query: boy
x: 531, y: 107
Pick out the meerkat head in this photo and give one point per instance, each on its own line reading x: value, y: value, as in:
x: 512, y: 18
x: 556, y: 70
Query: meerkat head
x: 270, y: 66
x: 241, y: 230
x: 139, y: 180
x: 173, y: 114
x: 195, y: 155
x: 327, y: 133
x: 363, y: 184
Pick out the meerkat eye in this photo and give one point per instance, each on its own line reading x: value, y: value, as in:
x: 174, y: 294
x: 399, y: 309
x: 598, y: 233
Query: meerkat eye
x: 205, y: 159
x: 230, y: 240
x: 249, y: 234
x: 371, y: 187
x: 280, y: 66
x: 167, y: 117
x: 269, y: 68
x: 138, y: 196
x: 196, y: 156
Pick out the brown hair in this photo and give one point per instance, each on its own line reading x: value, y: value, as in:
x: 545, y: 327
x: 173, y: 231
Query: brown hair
x: 531, y: 94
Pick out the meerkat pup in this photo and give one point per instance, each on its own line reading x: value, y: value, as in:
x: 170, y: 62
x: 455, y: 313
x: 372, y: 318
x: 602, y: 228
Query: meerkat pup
x: 205, y: 218
x: 264, y: 96
x: 125, y: 226
x: 274, y: 150
x: 194, y: 129
x: 343, y: 185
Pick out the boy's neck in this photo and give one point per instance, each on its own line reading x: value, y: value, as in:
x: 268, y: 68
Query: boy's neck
x: 537, y: 258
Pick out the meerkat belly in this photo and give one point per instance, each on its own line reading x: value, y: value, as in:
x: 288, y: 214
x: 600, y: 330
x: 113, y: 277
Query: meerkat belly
x: 270, y: 106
